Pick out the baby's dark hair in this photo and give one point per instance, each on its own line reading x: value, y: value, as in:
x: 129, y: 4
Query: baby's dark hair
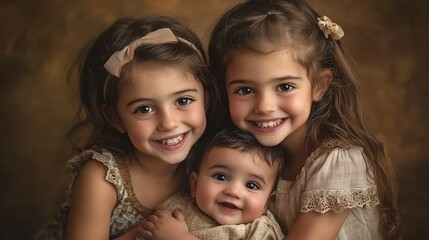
x: 244, y: 142
x: 99, y: 89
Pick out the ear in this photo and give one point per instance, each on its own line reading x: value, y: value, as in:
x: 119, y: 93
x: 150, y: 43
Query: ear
x: 113, y: 119
x: 193, y: 182
x: 322, y: 83
x: 270, y: 198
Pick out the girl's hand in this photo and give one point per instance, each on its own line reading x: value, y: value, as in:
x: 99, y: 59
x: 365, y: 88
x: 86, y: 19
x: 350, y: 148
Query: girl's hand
x: 163, y: 226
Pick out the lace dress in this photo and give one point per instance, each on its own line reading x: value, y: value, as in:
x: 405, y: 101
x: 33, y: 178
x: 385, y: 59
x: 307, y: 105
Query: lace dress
x: 335, y: 180
x: 128, y: 211
x: 204, y: 227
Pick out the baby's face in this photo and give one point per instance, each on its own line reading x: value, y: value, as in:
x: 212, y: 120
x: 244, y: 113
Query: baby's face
x: 233, y: 187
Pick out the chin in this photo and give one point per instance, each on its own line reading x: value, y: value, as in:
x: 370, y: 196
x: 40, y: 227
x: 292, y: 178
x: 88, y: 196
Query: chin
x: 268, y: 142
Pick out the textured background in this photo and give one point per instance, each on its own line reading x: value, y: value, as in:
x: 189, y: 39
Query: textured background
x: 39, y: 40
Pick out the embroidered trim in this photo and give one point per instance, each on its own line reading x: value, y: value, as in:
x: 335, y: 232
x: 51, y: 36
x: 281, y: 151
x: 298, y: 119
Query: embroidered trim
x: 129, y: 188
x: 338, y: 200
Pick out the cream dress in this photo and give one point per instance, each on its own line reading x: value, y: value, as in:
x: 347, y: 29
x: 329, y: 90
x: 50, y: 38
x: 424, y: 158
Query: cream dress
x: 335, y: 177
x: 127, y: 213
x: 204, y: 227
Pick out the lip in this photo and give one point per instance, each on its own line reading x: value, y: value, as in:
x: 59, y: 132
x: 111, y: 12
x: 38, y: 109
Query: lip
x: 278, y: 122
x: 163, y: 143
x: 228, y: 207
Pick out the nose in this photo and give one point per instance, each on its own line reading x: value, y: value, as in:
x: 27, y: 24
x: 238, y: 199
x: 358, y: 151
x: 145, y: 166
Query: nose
x: 265, y: 104
x: 168, y: 120
x: 233, y: 190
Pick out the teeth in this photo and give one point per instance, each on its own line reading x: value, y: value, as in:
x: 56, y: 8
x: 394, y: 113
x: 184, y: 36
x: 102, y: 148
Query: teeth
x: 269, y: 124
x: 172, y: 141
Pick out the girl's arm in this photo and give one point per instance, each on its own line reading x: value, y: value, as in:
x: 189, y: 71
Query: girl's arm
x: 318, y: 226
x: 93, y: 199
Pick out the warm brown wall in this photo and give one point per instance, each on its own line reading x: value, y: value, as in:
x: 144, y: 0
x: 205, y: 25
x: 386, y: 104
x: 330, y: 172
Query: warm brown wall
x: 39, y: 39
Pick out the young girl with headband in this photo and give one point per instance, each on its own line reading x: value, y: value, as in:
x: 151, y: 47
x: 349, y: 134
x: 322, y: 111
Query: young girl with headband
x: 145, y: 90
x: 284, y: 77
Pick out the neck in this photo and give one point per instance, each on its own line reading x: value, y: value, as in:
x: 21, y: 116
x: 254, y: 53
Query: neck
x: 154, y: 167
x: 297, y: 151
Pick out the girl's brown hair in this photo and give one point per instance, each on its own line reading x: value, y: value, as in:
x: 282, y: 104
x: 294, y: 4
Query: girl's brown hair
x: 264, y: 26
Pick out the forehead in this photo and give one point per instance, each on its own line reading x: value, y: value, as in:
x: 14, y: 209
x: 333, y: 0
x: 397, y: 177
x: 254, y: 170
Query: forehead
x: 245, y: 162
x: 247, y: 64
x: 155, y: 80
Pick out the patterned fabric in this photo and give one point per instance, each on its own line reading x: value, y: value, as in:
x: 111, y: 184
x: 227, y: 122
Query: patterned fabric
x: 335, y: 177
x: 204, y: 227
x: 128, y: 211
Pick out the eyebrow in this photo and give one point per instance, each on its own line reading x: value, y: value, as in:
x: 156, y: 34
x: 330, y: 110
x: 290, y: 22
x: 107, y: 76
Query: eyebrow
x: 262, y: 179
x: 173, y: 94
x: 277, y: 79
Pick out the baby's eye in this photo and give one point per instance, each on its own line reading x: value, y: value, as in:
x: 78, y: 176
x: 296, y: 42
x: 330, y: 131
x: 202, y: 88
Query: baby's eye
x: 285, y: 87
x: 252, y: 185
x: 220, y: 177
x: 184, y: 101
x: 144, y: 109
x: 244, y: 91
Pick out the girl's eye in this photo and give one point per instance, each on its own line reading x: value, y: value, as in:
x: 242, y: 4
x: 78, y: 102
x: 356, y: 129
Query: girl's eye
x: 244, y: 91
x: 285, y: 87
x: 220, y: 177
x: 252, y: 185
x: 184, y: 101
x: 144, y: 110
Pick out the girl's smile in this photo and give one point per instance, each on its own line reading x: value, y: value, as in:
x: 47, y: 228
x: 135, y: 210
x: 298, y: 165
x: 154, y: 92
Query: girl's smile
x: 268, y: 125
x: 172, y: 143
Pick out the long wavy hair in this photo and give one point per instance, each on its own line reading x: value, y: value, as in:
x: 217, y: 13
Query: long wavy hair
x: 99, y: 90
x: 264, y: 26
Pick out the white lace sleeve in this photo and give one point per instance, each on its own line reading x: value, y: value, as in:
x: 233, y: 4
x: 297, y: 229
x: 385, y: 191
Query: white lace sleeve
x: 339, y: 180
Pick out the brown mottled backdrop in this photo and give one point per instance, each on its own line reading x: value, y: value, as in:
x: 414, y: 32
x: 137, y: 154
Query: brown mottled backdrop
x: 39, y: 40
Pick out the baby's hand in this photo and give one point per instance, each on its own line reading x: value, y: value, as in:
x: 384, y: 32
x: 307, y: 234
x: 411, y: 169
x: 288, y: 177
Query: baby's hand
x: 163, y: 226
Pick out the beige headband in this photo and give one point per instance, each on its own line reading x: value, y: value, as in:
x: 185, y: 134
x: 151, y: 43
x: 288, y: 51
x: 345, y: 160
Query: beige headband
x: 120, y: 58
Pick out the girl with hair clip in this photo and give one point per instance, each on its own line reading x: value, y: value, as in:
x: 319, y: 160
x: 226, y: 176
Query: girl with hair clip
x: 284, y: 77
x: 145, y: 90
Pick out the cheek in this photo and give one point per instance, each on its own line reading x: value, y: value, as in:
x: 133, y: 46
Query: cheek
x: 139, y: 132
x: 256, y: 205
x: 205, y: 194
x: 297, y: 106
x: 197, y: 117
x: 238, y: 110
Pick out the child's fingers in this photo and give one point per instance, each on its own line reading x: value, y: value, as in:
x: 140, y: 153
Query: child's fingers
x: 152, y: 218
x: 178, y: 215
x: 160, y: 213
x: 147, y: 235
x: 148, y: 226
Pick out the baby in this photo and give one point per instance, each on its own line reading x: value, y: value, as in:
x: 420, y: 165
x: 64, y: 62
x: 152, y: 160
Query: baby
x: 230, y: 191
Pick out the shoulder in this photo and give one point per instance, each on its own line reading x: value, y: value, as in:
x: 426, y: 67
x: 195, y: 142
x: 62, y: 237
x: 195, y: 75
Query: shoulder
x: 92, y: 177
x: 94, y: 173
x: 335, y: 157
x: 338, y: 178
x: 264, y: 227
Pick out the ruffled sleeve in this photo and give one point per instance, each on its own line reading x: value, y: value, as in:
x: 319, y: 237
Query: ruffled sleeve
x: 113, y: 175
x: 339, y: 180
